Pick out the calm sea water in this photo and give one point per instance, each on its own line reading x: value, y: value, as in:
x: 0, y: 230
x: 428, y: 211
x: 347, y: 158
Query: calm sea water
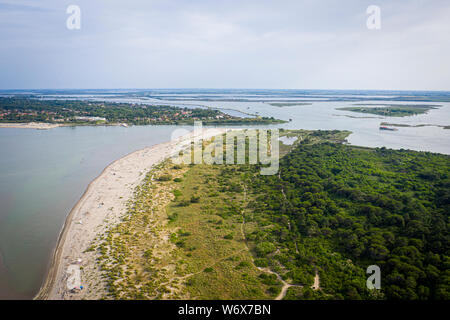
x: 44, y: 173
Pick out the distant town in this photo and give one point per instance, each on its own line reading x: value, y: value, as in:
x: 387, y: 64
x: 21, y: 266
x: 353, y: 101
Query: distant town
x: 78, y: 112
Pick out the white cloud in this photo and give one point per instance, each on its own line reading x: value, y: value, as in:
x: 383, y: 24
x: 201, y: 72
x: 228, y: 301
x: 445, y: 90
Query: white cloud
x: 272, y: 44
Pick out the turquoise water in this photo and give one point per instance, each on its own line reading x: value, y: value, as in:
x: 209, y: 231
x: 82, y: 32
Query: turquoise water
x: 43, y: 174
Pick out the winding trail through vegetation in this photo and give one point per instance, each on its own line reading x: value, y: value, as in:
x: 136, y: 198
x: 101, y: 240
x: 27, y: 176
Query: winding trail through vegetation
x: 316, y: 285
x: 286, y: 285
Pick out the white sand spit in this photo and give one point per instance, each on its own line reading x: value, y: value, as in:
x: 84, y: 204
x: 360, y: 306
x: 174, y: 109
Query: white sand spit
x: 102, y: 205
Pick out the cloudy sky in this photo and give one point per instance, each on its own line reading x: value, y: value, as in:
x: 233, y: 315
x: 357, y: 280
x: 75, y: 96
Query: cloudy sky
x: 302, y: 44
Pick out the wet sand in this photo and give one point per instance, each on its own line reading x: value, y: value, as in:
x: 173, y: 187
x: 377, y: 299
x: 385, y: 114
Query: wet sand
x: 30, y: 125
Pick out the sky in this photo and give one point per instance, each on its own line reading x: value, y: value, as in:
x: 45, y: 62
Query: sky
x: 310, y: 44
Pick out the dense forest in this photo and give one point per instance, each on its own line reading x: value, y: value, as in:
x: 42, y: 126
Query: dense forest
x: 16, y: 109
x: 313, y: 229
x: 343, y: 208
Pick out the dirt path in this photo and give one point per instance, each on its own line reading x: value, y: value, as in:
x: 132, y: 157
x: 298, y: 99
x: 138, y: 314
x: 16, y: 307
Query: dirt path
x: 286, y: 285
x: 316, y: 285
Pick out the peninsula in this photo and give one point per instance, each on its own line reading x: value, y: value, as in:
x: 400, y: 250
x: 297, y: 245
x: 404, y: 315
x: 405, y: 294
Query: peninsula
x: 51, y: 113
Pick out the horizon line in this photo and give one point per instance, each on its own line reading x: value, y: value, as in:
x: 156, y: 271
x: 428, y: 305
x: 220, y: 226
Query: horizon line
x: 225, y: 88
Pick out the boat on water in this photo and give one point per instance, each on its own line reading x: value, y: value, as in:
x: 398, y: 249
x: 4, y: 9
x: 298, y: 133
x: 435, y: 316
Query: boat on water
x: 387, y: 128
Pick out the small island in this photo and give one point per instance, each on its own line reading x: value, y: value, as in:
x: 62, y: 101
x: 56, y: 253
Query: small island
x: 289, y: 104
x: 392, y: 110
x: 404, y: 125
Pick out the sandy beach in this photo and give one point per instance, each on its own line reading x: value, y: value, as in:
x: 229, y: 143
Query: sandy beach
x: 30, y: 125
x: 101, y: 206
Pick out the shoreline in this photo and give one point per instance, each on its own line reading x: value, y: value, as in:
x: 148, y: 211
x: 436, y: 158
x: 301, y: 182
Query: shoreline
x: 48, y: 126
x: 30, y: 125
x: 90, y: 216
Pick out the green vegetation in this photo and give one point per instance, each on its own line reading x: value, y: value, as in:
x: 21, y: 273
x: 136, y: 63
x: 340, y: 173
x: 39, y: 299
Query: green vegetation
x: 311, y: 137
x: 227, y: 232
x: 216, y: 261
x: 394, y: 110
x: 346, y: 208
x: 165, y: 177
x: 76, y: 112
x: 135, y: 256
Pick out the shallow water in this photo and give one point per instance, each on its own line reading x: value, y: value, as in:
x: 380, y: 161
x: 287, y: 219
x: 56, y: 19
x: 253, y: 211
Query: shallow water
x: 321, y: 114
x: 364, y: 127
x: 43, y: 174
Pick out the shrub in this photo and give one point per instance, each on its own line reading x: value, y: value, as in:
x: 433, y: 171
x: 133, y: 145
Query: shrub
x: 184, y: 203
x: 180, y: 244
x: 274, y: 290
x: 177, y: 193
x: 235, y: 188
x: 261, y: 262
x: 173, y: 217
x: 243, y: 264
x: 264, y: 248
x: 165, y: 177
x: 147, y: 253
